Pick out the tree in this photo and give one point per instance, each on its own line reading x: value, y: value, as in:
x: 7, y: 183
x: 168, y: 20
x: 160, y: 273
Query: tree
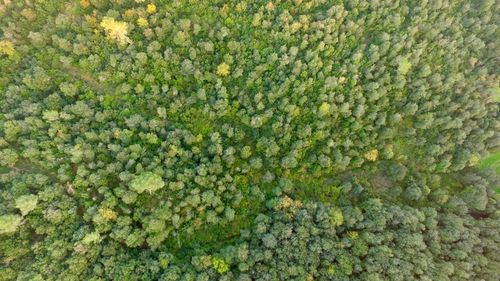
x: 146, y: 181
x: 9, y: 223
x: 26, y: 203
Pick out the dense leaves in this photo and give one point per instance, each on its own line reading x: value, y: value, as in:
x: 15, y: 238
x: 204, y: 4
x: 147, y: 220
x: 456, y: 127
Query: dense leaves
x: 138, y: 138
x: 375, y: 241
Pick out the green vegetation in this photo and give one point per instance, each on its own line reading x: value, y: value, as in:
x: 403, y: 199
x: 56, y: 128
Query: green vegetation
x: 491, y: 162
x: 245, y: 140
x: 146, y: 182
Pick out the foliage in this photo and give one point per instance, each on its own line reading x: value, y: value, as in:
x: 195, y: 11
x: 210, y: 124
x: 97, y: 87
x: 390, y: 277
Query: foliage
x: 116, y: 30
x: 378, y: 241
x: 9, y: 223
x: 220, y: 265
x: 492, y: 161
x: 248, y: 140
x: 7, y: 48
x: 223, y: 69
x: 26, y: 203
x: 146, y: 182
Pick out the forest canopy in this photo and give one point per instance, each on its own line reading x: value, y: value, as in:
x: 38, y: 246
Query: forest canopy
x: 202, y: 140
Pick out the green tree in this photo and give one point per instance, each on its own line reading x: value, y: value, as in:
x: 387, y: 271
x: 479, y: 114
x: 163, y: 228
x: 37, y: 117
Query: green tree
x: 26, y: 203
x: 146, y: 181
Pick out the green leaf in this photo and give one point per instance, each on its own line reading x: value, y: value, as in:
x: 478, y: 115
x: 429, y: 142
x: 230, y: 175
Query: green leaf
x: 147, y: 181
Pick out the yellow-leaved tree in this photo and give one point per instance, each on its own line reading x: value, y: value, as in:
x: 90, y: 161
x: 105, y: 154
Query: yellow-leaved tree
x: 116, y: 30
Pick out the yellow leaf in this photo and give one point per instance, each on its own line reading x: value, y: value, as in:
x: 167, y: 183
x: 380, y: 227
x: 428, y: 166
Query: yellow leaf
x: 270, y: 6
x: 142, y: 22
x: 404, y: 66
x: 107, y: 213
x: 371, y: 155
x: 223, y: 69
x: 324, y: 109
x: 116, y: 30
x: 151, y: 8
x: 240, y: 7
x: 353, y: 235
x: 7, y: 48
x: 84, y: 3
x: 129, y: 13
x: 224, y: 10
